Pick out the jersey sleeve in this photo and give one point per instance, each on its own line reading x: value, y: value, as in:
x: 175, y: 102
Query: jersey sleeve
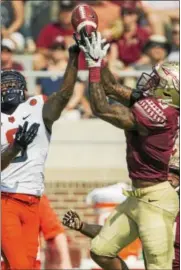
x: 148, y: 114
x: 38, y: 100
x: 50, y: 225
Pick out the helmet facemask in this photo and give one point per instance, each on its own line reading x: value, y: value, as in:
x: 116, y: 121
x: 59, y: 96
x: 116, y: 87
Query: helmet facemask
x: 13, y: 88
x: 148, y: 82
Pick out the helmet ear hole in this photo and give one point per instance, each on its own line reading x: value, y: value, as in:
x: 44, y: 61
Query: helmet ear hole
x: 166, y: 94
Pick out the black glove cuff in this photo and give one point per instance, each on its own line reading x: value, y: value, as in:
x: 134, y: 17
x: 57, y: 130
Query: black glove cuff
x: 19, y: 146
x: 74, y: 49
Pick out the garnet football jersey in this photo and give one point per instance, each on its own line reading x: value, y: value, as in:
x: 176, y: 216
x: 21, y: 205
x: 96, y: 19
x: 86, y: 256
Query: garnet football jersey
x: 25, y: 173
x: 148, y: 154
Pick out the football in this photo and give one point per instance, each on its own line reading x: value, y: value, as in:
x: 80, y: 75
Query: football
x: 84, y: 20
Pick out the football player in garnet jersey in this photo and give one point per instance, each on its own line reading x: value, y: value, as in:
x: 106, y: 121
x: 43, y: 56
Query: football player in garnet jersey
x: 174, y: 179
x: 22, y: 181
x: 151, y: 126
x: 73, y: 221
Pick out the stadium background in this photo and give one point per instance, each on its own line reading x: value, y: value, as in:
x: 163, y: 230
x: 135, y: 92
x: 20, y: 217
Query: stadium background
x: 85, y: 152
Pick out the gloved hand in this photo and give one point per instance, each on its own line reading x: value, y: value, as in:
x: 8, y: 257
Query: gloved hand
x: 72, y: 220
x: 24, y: 137
x: 95, y: 49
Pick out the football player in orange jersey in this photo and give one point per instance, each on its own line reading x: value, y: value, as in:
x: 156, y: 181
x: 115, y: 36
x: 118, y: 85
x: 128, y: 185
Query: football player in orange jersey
x: 56, y: 249
x: 22, y: 182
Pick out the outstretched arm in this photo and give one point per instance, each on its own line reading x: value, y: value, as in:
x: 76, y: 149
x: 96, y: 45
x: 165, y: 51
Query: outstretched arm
x: 113, y: 89
x: 118, y: 115
x: 72, y: 220
x: 121, y: 93
x: 90, y: 230
x: 57, y: 101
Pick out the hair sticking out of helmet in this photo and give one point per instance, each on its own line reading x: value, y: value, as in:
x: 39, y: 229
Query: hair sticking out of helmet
x: 13, y: 87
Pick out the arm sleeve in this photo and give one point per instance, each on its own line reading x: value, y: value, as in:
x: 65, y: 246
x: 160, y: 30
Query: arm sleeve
x: 148, y: 114
x: 50, y: 225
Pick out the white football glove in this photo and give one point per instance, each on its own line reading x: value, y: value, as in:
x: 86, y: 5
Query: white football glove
x: 95, y: 50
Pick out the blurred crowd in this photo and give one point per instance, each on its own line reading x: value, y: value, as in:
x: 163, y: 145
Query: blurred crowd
x: 141, y: 33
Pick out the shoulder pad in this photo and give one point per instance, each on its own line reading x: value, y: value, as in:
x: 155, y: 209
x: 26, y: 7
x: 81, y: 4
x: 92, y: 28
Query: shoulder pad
x: 151, y: 110
x: 41, y: 99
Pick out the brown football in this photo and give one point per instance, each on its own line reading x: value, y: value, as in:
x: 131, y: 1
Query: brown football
x: 84, y: 19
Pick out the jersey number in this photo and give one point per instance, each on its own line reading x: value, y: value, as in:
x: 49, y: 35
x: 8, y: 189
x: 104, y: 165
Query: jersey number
x: 10, y: 138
